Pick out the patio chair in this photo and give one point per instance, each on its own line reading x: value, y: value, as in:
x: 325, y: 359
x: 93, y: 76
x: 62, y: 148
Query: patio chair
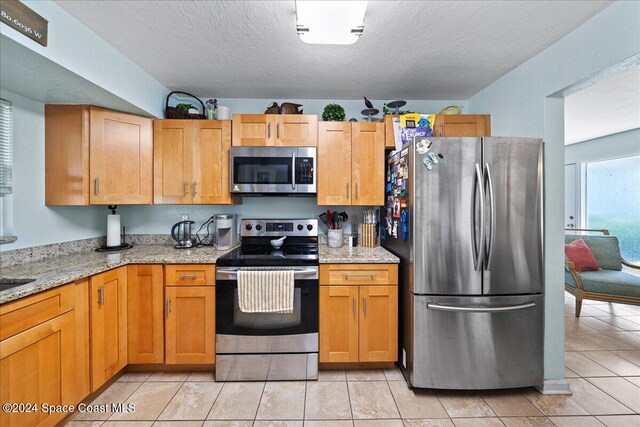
x: 609, y: 284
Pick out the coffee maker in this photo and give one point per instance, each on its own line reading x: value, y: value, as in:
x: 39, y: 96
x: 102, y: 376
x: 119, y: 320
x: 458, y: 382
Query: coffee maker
x: 226, y: 231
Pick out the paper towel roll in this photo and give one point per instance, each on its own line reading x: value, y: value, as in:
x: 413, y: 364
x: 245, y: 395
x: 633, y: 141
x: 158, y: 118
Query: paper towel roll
x: 113, y: 230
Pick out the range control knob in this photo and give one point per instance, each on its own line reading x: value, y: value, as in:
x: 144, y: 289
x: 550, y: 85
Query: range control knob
x: 258, y: 227
x: 309, y: 227
x: 248, y: 227
x: 300, y: 227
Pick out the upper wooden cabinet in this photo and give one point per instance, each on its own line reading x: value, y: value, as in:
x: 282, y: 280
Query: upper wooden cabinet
x: 191, y: 161
x: 275, y: 130
x: 448, y: 125
x: 96, y: 156
x: 463, y: 125
x: 351, y: 163
x: 108, y: 325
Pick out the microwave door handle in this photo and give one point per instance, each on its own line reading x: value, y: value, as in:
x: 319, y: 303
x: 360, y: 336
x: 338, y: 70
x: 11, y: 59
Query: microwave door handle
x: 293, y: 170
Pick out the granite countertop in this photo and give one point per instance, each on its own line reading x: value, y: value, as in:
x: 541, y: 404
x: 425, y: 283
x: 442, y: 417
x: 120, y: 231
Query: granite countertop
x: 58, y: 271
x: 357, y: 255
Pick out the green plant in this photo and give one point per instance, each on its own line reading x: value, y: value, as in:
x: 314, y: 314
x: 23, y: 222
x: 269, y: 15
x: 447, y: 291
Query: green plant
x: 184, y: 107
x: 333, y: 112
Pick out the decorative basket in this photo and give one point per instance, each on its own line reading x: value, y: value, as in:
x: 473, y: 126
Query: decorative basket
x: 174, y: 113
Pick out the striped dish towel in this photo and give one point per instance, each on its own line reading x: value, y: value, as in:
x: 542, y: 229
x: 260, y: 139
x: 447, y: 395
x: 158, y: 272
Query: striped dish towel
x: 265, y: 291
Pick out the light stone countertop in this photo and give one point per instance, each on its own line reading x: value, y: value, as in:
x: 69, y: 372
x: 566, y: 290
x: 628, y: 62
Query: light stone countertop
x: 61, y: 270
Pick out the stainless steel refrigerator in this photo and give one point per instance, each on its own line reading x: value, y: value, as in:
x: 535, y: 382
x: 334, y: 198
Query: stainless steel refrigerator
x: 465, y: 217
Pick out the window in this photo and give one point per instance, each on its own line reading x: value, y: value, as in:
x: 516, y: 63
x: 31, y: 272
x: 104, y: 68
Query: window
x: 6, y: 171
x: 613, y: 201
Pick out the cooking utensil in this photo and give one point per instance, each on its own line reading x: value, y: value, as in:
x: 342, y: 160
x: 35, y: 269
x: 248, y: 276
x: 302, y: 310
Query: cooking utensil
x: 334, y: 215
x: 330, y: 217
x: 277, y: 243
x: 324, y: 218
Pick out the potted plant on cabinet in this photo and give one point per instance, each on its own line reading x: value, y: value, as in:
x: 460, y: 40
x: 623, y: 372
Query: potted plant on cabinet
x: 333, y: 113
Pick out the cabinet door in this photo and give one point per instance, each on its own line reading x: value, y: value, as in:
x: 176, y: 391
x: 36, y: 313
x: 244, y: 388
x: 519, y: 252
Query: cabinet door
x: 172, y: 160
x: 211, y: 143
x: 190, y: 325
x: 38, y: 366
x: 378, y: 323
x: 297, y: 130
x: 108, y: 301
x: 389, y: 137
x: 120, y: 158
x: 367, y: 157
x: 145, y: 321
x: 334, y: 163
x: 463, y: 125
x: 254, y: 129
x: 338, y: 334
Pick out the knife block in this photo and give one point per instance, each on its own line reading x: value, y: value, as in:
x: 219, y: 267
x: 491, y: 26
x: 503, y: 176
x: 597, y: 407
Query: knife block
x: 367, y: 236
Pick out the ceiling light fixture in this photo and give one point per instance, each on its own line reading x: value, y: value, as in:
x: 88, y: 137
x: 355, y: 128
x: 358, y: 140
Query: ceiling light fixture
x: 330, y: 22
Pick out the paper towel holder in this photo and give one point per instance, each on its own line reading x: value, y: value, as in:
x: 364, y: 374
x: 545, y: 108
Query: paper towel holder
x: 123, y: 244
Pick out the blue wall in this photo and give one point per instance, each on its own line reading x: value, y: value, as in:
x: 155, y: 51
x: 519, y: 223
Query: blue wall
x: 519, y: 104
x: 614, y: 146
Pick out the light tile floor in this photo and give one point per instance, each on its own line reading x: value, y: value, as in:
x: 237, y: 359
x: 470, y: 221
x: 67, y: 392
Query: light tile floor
x: 602, y: 365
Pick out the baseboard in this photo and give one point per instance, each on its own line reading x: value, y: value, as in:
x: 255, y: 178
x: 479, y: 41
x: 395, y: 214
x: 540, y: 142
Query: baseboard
x: 554, y: 387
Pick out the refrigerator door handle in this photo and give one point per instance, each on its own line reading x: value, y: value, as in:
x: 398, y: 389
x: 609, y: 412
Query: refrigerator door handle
x: 492, y: 219
x: 478, y: 247
x: 480, y: 309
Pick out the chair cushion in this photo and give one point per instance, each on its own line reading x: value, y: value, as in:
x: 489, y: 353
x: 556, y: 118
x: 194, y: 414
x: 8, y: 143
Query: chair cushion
x: 611, y: 282
x: 605, y: 249
x: 580, y: 255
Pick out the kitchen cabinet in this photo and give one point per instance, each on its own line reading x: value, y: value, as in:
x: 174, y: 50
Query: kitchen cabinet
x: 191, y: 162
x: 145, y: 320
x: 448, y: 125
x: 96, y: 156
x: 38, y: 355
x: 358, y: 313
x: 463, y: 125
x: 275, y: 130
x: 108, y: 324
x: 351, y: 163
x: 83, y: 346
x: 190, y: 325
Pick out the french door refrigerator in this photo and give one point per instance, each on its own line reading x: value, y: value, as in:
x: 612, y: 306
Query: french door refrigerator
x: 465, y: 217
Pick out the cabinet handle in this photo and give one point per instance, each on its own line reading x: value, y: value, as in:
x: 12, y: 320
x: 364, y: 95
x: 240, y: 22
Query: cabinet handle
x: 186, y: 188
x: 356, y: 190
x: 168, y: 306
x: 195, y: 187
x: 96, y: 184
x: 347, y: 190
x: 268, y: 130
x: 440, y: 126
x: 277, y: 130
x: 188, y: 276
x: 369, y: 275
x: 364, y: 306
x: 353, y: 306
x: 101, y: 295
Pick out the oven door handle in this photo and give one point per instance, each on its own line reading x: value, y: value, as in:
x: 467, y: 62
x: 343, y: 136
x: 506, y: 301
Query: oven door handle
x: 299, y: 273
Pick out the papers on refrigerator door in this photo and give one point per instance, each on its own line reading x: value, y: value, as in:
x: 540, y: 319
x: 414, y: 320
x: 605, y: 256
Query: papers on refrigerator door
x: 414, y: 126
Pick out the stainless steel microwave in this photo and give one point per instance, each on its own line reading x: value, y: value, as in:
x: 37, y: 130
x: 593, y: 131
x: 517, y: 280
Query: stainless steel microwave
x: 273, y: 170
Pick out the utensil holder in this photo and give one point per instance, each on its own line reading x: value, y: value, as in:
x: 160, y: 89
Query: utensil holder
x: 368, y: 238
x: 335, y: 238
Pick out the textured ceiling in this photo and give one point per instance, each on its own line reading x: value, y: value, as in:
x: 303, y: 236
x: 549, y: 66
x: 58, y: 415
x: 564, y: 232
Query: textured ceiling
x: 608, y: 107
x: 250, y: 49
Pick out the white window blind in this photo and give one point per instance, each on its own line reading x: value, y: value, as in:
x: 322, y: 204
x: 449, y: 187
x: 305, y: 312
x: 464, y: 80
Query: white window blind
x: 6, y: 147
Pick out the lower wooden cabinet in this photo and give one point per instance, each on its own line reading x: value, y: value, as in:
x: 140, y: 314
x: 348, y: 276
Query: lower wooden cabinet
x: 190, y: 332
x: 145, y: 314
x: 83, y: 359
x: 358, y: 313
x: 108, y: 311
x: 38, y: 366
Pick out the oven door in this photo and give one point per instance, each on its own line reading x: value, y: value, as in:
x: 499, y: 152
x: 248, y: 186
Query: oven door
x: 238, y: 332
x: 263, y: 169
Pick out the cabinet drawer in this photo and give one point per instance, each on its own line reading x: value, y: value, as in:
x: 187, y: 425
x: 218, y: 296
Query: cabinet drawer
x: 190, y: 275
x: 359, y: 274
x: 30, y: 311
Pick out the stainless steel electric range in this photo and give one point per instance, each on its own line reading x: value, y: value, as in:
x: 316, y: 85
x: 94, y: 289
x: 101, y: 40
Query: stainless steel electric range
x: 269, y: 346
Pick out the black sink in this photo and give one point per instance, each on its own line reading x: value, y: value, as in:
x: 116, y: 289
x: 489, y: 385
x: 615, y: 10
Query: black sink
x: 6, y: 284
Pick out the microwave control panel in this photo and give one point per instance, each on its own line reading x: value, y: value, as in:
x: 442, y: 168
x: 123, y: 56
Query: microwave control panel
x: 304, y: 170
